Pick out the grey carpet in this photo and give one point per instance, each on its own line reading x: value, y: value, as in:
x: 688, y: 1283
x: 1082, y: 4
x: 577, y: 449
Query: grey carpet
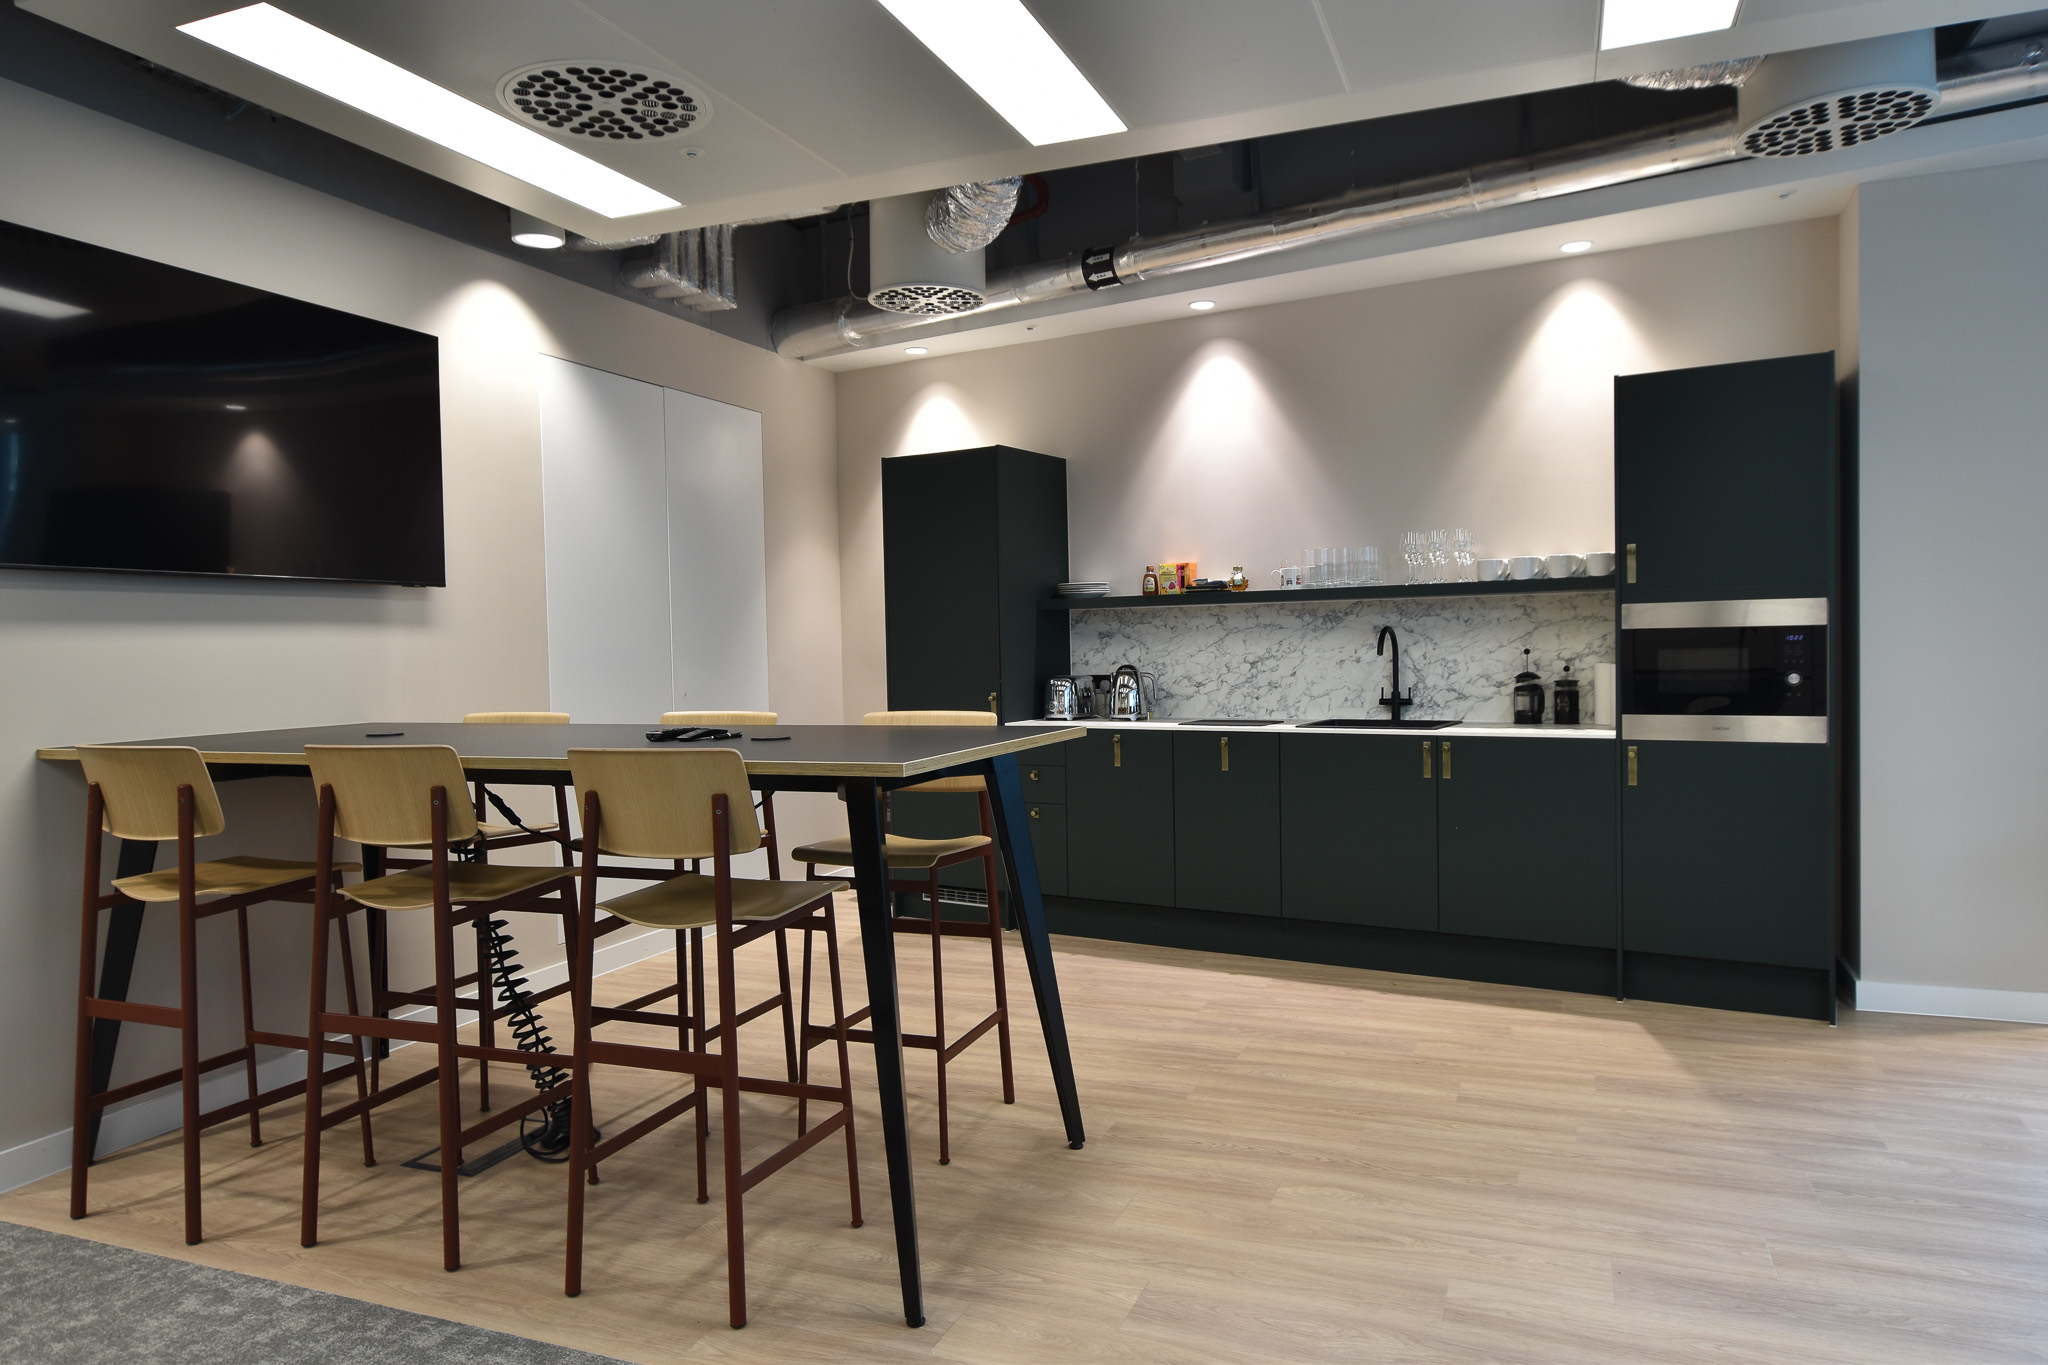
x: 67, y: 1301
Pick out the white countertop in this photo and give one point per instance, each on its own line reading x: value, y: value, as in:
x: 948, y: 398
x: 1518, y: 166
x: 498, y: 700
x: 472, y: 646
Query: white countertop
x: 1292, y: 728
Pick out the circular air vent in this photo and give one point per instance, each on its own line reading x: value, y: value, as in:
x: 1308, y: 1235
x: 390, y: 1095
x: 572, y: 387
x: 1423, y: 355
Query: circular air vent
x: 614, y: 103
x: 1847, y: 118
x: 931, y: 300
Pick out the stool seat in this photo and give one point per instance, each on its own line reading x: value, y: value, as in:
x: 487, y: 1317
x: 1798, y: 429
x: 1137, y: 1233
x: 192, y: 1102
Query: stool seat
x: 413, y: 889
x: 237, y: 876
x: 900, y: 850
x: 491, y: 831
x: 690, y: 900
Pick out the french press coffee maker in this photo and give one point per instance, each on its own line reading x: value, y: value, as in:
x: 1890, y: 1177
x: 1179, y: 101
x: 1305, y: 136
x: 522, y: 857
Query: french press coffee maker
x: 1564, y: 699
x: 1528, y: 695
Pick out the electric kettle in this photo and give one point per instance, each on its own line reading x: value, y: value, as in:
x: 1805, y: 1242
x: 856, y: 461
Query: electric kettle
x: 1131, y: 693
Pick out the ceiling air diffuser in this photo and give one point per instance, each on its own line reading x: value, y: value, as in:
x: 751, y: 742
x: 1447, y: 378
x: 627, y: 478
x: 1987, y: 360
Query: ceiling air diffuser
x: 1825, y: 98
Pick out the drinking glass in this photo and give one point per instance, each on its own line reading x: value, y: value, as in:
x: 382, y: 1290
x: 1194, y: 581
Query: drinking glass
x: 1368, y: 559
x: 1342, y: 578
x: 1462, y: 539
x: 1439, y: 553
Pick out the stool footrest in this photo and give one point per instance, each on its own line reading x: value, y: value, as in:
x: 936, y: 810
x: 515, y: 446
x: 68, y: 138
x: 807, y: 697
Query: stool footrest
x: 612, y: 1145
x: 378, y: 1099
x: 135, y: 1012
x: 829, y: 1125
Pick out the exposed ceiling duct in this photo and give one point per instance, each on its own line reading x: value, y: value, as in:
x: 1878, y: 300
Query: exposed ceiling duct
x: 909, y: 273
x: 693, y: 267
x: 1697, y: 77
x: 1878, y: 82
x: 1820, y: 99
x: 965, y: 218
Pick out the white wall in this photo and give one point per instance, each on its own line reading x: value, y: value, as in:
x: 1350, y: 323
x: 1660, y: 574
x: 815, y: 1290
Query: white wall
x: 86, y: 657
x: 1954, y: 498
x: 1482, y: 400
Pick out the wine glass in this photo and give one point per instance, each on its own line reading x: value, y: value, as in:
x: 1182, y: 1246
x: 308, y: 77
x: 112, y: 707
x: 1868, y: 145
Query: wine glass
x: 1439, y: 552
x: 1462, y: 540
x: 1411, y: 554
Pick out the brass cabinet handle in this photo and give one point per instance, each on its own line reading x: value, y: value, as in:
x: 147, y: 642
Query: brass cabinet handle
x: 991, y: 701
x: 1631, y: 765
x: 1034, y: 812
x: 1034, y: 774
x: 1116, y: 751
x: 1447, y: 760
x: 1631, y: 562
x: 1425, y: 761
x: 1223, y: 743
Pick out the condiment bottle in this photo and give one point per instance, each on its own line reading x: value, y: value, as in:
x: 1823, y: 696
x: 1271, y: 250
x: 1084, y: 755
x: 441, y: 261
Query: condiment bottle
x: 1238, y: 582
x: 1151, y: 588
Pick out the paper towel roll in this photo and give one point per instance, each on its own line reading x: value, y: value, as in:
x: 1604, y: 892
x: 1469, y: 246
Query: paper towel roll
x: 1603, y: 694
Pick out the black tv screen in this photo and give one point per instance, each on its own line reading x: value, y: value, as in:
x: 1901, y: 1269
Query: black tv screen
x: 154, y: 420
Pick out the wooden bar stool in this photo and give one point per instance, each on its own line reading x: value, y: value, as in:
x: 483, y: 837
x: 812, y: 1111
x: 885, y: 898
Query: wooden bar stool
x: 492, y: 835
x: 412, y: 796
x: 694, y: 804
x: 928, y: 858
x: 161, y: 794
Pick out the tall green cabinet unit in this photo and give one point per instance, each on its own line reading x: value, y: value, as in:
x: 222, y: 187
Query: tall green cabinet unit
x: 1727, y: 490
x: 972, y: 542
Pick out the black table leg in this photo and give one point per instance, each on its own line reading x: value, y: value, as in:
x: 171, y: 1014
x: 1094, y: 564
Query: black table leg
x: 1013, y: 834
x: 117, y: 964
x: 878, y: 947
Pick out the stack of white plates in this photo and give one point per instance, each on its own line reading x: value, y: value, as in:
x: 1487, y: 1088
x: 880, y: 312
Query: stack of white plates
x: 1083, y: 589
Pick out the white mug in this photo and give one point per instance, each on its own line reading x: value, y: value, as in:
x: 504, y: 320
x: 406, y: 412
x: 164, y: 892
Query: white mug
x: 1525, y: 567
x: 1493, y: 570
x: 1599, y: 564
x: 1564, y: 566
x: 1287, y: 575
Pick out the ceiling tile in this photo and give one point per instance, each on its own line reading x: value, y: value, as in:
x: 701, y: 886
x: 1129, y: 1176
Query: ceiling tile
x: 1399, y: 42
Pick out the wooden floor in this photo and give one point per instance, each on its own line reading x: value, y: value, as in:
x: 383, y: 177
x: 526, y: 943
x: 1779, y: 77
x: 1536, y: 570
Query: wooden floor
x: 1285, y: 1163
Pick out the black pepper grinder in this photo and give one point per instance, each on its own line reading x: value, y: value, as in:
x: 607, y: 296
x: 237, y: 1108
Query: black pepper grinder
x: 1528, y: 695
x: 1564, y: 699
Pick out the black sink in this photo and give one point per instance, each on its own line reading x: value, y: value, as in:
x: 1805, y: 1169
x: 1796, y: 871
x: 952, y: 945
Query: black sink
x: 1376, y: 723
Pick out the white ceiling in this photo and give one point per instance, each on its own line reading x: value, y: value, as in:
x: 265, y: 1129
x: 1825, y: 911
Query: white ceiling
x: 818, y: 102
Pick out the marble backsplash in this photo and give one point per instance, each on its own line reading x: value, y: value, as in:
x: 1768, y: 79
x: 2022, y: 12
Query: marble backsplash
x: 1459, y: 655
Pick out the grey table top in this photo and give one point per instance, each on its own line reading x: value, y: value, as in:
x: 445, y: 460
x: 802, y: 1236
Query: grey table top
x: 810, y: 751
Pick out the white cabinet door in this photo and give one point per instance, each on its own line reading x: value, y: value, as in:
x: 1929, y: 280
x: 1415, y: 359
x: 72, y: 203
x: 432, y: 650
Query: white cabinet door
x: 717, y: 555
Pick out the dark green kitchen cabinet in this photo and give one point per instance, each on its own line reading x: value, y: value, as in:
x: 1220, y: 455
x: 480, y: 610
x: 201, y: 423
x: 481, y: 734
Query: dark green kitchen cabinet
x: 1725, y: 481
x: 1226, y: 822
x: 1526, y: 839
x: 1049, y: 845
x: 1358, y: 829
x: 1728, y: 851
x: 972, y: 542
x: 1120, y: 816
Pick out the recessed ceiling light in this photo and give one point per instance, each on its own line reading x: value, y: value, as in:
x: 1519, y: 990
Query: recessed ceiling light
x: 236, y: 407
x: 16, y: 301
x: 1006, y: 57
x: 1574, y: 248
x: 917, y: 350
x: 1202, y: 305
x: 1625, y: 23
x: 537, y: 233
x: 315, y: 58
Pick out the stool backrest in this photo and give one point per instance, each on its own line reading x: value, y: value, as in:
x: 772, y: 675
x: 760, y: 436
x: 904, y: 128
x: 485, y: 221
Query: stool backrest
x: 718, y: 718
x: 656, y: 803
x: 383, y: 793
x: 937, y: 784
x: 140, y: 787
x: 516, y: 718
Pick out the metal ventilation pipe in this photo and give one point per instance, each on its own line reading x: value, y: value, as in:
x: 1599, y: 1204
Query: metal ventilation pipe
x: 1999, y: 76
x: 693, y: 267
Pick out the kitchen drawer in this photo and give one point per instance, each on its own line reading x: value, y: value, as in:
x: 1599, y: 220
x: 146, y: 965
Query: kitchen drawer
x: 1043, y: 784
x: 1048, y: 822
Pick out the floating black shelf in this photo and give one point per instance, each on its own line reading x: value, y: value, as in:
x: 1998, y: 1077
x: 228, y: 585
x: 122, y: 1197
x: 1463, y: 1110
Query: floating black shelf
x: 1604, y: 583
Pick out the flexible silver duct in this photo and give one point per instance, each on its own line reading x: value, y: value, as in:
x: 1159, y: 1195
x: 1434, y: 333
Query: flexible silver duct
x: 1697, y: 77
x: 1998, y: 76
x: 964, y: 218
x: 694, y: 267
x: 578, y: 242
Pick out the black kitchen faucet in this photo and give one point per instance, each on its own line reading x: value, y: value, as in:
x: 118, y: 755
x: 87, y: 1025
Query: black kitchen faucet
x: 1397, y: 701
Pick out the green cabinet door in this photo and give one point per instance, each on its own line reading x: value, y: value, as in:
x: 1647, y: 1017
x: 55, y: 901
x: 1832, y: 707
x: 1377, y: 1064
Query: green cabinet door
x: 1526, y: 839
x: 1728, y: 851
x: 1724, y: 480
x: 1120, y: 816
x: 1358, y: 829
x: 1226, y: 822
x: 1049, y: 846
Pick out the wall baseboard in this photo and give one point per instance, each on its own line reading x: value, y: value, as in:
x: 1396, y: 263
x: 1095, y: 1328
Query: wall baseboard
x: 1953, y: 1002
x: 158, y: 1114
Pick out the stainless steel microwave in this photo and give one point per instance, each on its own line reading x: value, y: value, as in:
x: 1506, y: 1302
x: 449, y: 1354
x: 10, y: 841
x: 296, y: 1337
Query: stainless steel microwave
x: 1748, y: 672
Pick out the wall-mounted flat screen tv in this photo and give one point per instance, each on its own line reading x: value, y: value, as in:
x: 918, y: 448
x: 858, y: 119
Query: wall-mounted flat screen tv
x: 154, y: 420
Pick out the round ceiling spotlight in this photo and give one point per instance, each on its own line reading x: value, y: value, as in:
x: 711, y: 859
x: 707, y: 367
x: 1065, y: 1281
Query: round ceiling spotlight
x: 1574, y: 248
x: 1202, y: 305
x: 606, y: 101
x: 917, y: 350
x: 537, y: 233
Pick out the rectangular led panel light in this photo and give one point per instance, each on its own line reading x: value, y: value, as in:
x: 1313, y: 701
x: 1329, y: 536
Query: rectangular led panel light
x: 15, y: 301
x: 1626, y: 23
x: 1006, y: 57
x: 291, y: 47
